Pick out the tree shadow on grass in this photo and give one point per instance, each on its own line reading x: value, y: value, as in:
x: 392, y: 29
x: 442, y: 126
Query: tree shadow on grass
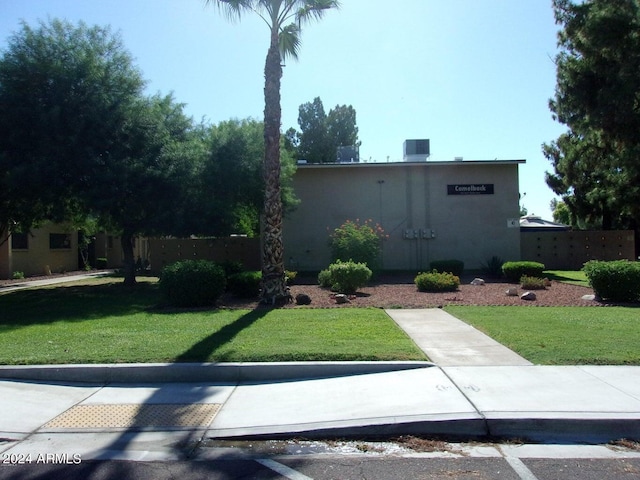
x: 202, y: 350
x: 44, y: 305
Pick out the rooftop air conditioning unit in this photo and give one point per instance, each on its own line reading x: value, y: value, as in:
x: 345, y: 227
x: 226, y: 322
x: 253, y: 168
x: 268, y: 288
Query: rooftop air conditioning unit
x: 348, y: 154
x: 416, y: 150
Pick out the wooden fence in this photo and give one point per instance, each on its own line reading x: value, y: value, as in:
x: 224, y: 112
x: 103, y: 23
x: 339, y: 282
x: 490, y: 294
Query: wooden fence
x: 230, y: 249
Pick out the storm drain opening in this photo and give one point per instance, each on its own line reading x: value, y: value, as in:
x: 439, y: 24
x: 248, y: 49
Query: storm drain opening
x: 137, y: 416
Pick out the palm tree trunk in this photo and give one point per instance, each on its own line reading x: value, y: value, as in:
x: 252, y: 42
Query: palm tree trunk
x: 273, y: 277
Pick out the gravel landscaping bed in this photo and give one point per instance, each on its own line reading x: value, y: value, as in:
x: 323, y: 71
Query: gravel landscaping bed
x: 398, y: 292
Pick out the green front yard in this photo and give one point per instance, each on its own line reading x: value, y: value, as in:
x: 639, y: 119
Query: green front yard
x: 101, y: 321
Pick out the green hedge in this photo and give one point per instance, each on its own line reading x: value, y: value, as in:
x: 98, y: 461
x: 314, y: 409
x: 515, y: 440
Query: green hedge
x: 514, y: 271
x: 345, y: 277
x: 244, y: 284
x: 447, y: 266
x: 437, y: 282
x: 192, y: 283
x: 617, y: 280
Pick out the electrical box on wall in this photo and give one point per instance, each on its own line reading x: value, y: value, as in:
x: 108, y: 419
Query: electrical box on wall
x: 421, y: 233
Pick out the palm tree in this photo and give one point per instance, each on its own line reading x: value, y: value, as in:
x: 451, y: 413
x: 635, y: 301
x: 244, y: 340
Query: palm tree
x: 285, y: 42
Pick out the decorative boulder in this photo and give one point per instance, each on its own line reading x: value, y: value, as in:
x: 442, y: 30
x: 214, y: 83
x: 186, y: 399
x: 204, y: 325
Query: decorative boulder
x: 341, y: 298
x: 303, y: 299
x: 547, y: 282
x: 528, y: 296
x: 512, y: 292
x: 477, y: 281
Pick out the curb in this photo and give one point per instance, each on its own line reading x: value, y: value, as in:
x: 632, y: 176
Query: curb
x: 200, y: 372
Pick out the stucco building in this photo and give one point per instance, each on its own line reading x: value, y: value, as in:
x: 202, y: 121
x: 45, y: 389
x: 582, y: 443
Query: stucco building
x: 430, y: 210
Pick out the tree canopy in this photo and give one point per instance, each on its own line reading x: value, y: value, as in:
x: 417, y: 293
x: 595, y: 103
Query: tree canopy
x: 322, y: 134
x: 597, y: 161
x: 65, y: 96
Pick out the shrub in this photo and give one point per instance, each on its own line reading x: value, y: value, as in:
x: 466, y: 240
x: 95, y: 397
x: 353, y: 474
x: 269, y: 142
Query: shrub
x: 17, y: 275
x: 348, y: 277
x: 532, y: 283
x: 617, y: 280
x: 515, y: 270
x: 361, y: 243
x: 435, y: 281
x: 192, y: 283
x: 290, y: 276
x: 493, y: 267
x: 231, y: 267
x: 447, y: 266
x: 324, y: 278
x: 101, y: 263
x: 244, y: 284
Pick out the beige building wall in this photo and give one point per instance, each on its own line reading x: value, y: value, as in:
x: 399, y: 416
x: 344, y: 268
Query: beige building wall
x: 45, y: 254
x: 411, y: 201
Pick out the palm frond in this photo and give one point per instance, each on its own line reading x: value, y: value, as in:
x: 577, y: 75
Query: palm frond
x: 289, y: 41
x: 232, y: 9
x: 314, y: 9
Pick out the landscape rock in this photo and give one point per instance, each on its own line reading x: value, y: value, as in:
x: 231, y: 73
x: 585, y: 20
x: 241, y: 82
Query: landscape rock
x: 341, y: 298
x: 528, y: 296
x: 477, y: 281
x: 589, y: 298
x: 512, y: 292
x: 303, y: 299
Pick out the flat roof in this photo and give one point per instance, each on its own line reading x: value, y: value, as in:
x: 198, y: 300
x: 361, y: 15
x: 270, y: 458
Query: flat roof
x: 398, y: 164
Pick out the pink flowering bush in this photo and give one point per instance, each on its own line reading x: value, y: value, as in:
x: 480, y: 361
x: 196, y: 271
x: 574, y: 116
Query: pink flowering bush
x: 359, y: 242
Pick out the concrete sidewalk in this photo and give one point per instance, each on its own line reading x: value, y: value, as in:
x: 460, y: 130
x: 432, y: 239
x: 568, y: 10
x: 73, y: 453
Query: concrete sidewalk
x: 157, y: 412
x: 10, y: 287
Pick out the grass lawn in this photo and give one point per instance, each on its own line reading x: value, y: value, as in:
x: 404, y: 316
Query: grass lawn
x: 561, y: 335
x: 576, y: 277
x: 101, y: 321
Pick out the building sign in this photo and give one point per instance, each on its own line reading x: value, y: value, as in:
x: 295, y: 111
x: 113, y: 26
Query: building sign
x: 470, y: 189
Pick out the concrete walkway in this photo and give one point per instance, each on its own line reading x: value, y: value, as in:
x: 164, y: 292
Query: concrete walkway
x: 448, y: 341
x: 10, y: 287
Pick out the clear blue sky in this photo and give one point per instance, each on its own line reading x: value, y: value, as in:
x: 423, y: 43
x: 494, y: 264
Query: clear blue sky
x: 473, y: 76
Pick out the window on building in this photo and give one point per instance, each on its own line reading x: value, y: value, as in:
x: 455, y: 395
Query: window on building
x: 19, y: 241
x: 59, y: 241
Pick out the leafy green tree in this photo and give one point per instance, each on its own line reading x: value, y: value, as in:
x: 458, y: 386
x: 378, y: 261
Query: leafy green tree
x: 284, y: 40
x: 65, y: 96
x: 596, y: 166
x: 321, y: 134
x: 314, y: 143
x: 231, y: 184
x: 142, y: 186
x: 341, y: 127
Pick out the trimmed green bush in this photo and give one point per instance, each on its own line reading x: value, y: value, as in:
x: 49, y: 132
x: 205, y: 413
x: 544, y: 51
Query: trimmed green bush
x: 617, y: 280
x: 348, y: 277
x: 447, y: 266
x: 435, y: 281
x: 324, y: 278
x: 244, y: 284
x: 515, y: 270
x: 192, y: 283
x: 532, y: 283
x: 101, y: 263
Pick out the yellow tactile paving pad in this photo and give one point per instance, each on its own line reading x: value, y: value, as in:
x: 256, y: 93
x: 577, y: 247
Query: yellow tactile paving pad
x: 136, y: 416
